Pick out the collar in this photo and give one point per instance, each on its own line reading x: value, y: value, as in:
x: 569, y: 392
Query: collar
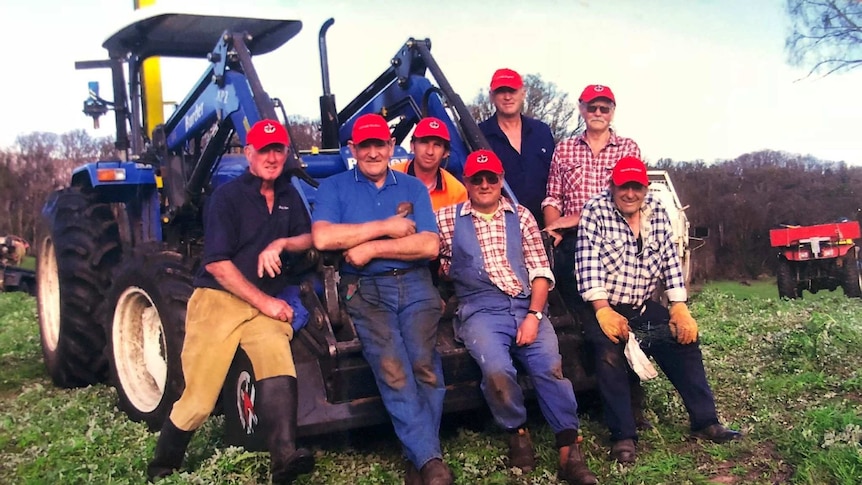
x: 526, y: 126
x: 254, y: 182
x: 504, y: 205
x: 358, y: 176
x: 612, y: 140
x: 438, y: 186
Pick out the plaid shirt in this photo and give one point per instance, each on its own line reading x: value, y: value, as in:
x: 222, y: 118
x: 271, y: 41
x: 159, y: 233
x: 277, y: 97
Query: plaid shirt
x: 492, y: 240
x: 576, y: 175
x: 607, y: 263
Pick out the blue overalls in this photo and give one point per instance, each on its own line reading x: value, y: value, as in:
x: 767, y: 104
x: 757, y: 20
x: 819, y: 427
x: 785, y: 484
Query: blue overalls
x: 489, y: 321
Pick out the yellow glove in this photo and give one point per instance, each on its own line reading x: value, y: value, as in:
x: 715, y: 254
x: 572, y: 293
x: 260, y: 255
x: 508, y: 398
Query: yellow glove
x: 614, y: 325
x: 682, y: 324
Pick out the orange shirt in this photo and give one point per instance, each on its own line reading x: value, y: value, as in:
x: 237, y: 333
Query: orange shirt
x: 448, y: 191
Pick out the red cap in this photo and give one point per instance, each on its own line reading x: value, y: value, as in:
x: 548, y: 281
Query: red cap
x: 506, y: 78
x: 370, y: 126
x: 266, y: 132
x: 482, y: 161
x: 630, y: 169
x: 431, y: 126
x: 594, y: 91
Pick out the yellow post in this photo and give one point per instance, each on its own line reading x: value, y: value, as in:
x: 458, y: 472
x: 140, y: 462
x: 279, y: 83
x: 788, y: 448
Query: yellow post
x: 151, y: 85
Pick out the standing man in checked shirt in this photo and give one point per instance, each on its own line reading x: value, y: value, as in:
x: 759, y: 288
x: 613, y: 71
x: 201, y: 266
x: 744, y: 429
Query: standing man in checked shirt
x: 624, y: 248
x: 493, y: 252
x: 579, y: 170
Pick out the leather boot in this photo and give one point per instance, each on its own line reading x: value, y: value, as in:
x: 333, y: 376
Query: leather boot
x: 170, y: 449
x: 435, y: 472
x: 521, y: 450
x: 576, y: 471
x: 411, y: 474
x: 276, y: 407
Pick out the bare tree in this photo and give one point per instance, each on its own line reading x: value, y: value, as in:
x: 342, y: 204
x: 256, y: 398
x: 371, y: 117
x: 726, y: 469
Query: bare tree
x: 826, y: 35
x: 543, y: 101
x: 305, y: 132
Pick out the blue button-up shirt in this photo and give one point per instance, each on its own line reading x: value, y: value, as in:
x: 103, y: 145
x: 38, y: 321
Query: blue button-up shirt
x: 527, y: 171
x: 350, y: 198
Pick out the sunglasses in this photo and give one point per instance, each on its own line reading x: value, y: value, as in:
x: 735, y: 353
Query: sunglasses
x: 604, y: 109
x: 492, y: 179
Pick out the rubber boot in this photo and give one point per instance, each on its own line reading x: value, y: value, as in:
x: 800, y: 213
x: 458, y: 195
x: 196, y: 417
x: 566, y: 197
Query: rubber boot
x: 276, y: 407
x: 170, y: 449
x: 576, y: 471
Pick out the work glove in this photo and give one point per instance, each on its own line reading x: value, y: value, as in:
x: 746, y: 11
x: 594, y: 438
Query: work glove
x: 682, y: 324
x: 614, y: 325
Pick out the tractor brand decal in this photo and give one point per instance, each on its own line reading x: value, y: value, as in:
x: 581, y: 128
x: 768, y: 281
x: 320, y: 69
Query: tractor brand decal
x: 194, y: 116
x: 245, y: 394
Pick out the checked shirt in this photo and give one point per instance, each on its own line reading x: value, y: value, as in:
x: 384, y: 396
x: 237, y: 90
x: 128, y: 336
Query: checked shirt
x: 492, y: 240
x: 608, y: 265
x: 576, y: 175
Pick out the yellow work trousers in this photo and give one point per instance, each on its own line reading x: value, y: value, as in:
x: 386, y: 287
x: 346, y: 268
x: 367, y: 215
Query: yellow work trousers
x: 216, y: 323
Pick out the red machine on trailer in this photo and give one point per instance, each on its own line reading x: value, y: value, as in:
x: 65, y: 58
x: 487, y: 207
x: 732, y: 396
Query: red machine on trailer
x: 819, y: 257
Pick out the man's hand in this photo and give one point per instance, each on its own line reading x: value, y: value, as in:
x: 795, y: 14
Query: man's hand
x: 566, y: 222
x: 360, y: 255
x: 614, y: 325
x: 527, y: 330
x: 277, y: 309
x: 269, y: 260
x: 399, y: 226
x: 682, y: 324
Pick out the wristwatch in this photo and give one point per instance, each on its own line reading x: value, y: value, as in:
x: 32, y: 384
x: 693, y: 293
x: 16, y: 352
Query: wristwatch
x: 539, y: 315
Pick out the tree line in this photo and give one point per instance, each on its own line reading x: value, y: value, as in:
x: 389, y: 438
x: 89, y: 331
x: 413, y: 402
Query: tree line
x: 738, y: 200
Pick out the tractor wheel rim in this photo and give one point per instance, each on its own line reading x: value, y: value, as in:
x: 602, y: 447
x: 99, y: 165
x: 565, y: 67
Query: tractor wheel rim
x: 139, y: 349
x: 49, y: 294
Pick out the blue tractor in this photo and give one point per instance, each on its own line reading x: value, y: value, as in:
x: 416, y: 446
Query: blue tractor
x: 124, y: 239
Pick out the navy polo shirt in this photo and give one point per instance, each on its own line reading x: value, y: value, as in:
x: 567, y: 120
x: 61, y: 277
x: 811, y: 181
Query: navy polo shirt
x: 238, y: 226
x: 526, y: 172
x: 350, y: 198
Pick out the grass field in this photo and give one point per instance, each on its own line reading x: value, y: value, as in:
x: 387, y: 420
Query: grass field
x: 787, y: 373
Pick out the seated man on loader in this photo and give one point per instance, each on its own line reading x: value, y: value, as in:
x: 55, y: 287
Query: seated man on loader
x: 624, y: 247
x: 251, y: 222
x: 382, y: 221
x: 494, y: 254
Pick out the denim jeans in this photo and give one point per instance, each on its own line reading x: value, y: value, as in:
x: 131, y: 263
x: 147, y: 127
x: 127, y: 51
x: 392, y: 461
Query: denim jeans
x: 683, y: 365
x: 489, y: 335
x: 396, y: 318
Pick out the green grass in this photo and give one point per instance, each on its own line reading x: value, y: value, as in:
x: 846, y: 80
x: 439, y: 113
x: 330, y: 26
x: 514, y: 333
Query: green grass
x: 29, y: 262
x: 787, y: 373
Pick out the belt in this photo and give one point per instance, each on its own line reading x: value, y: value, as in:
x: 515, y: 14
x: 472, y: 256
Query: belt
x: 397, y: 271
x: 629, y: 311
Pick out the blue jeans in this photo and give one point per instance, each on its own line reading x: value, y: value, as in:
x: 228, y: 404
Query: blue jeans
x: 489, y: 336
x: 396, y: 318
x: 683, y: 365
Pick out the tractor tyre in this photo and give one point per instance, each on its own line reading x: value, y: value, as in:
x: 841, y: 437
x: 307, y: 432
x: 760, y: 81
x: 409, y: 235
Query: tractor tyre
x: 851, y: 279
x: 73, y: 271
x: 788, y: 286
x: 238, y: 397
x: 145, y: 335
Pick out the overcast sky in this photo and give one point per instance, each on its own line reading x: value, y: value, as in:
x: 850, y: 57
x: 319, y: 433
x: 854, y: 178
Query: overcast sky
x: 694, y: 79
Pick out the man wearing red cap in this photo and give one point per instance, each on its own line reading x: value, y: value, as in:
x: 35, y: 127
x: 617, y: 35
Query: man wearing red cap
x: 430, y: 145
x: 493, y: 252
x: 253, y: 225
x: 624, y: 248
x: 382, y: 221
x: 524, y: 145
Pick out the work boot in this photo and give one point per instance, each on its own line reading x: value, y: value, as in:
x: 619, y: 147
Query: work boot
x: 435, y: 472
x: 717, y: 433
x: 638, y: 401
x: 276, y: 408
x: 411, y: 474
x: 576, y: 471
x: 170, y: 449
x: 521, y: 450
x: 624, y: 451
